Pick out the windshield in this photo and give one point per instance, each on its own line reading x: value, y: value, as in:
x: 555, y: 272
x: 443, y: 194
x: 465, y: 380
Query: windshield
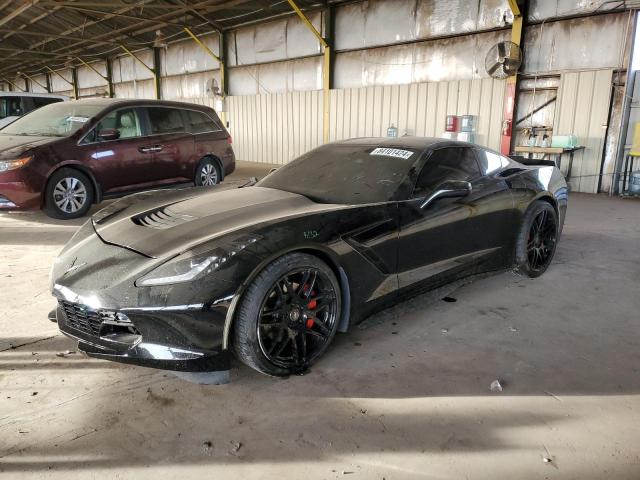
x: 55, y: 120
x: 345, y: 174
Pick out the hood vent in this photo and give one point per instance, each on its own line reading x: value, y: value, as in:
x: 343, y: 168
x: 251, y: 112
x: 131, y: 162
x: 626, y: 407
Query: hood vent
x: 161, y: 218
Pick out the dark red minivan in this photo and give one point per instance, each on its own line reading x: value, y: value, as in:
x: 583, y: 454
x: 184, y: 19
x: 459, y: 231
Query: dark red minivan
x: 66, y: 156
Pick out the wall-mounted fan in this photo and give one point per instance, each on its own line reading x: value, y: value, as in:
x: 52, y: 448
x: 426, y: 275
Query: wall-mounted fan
x: 503, y: 60
x: 212, y: 87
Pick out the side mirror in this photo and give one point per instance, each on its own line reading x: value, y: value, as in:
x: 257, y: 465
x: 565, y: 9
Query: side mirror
x: 272, y: 170
x: 448, y: 189
x: 109, y: 134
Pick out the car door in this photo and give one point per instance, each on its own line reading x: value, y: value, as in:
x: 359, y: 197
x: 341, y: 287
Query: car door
x: 123, y: 163
x: 443, y: 235
x: 172, y: 144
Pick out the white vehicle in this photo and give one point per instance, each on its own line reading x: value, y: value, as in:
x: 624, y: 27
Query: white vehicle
x: 15, y: 104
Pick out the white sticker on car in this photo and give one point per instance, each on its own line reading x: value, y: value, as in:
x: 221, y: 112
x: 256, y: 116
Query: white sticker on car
x: 77, y: 119
x: 392, y: 152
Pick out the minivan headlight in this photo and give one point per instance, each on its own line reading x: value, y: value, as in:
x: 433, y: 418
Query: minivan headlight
x: 6, y: 165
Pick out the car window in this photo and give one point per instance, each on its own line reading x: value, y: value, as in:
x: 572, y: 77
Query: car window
x: 490, y: 161
x: 165, y: 120
x: 10, y: 107
x: 125, y: 120
x: 42, y: 101
x: 452, y: 163
x: 60, y: 119
x: 200, y: 122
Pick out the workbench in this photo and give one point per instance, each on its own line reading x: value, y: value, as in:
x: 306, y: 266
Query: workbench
x: 557, y: 152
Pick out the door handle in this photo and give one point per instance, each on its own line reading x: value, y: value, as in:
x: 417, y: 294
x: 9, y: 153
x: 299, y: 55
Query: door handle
x: 150, y: 149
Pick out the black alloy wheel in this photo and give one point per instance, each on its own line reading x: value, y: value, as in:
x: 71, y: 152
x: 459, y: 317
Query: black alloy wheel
x: 288, y: 315
x: 541, y: 242
x: 297, y: 318
x: 537, y: 240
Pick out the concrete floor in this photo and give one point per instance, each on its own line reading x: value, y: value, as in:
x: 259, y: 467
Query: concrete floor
x: 406, y: 395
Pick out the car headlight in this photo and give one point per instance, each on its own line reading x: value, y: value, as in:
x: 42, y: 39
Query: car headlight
x: 6, y: 165
x: 192, y: 265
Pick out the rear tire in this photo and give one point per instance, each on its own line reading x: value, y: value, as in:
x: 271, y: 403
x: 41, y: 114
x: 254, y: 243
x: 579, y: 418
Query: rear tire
x: 537, y: 240
x: 288, y: 315
x: 69, y: 194
x: 208, y: 173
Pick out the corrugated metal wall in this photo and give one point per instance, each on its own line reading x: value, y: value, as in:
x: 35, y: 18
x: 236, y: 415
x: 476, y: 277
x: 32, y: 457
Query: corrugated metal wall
x: 583, y: 110
x: 276, y: 128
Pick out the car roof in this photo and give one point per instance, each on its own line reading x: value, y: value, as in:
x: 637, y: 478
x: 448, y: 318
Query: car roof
x: 416, y: 143
x: 134, y: 102
x: 32, y: 94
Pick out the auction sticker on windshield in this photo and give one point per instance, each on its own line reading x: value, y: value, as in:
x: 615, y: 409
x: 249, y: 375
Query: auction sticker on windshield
x: 392, y: 152
x: 77, y: 119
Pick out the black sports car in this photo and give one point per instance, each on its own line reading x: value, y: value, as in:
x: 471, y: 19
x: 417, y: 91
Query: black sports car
x: 177, y: 280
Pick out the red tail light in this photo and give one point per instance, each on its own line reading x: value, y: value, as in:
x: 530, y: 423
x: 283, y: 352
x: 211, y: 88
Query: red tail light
x: 229, y: 140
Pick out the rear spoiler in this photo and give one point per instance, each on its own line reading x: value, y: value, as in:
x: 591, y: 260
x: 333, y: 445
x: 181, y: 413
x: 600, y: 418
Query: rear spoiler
x: 532, y: 161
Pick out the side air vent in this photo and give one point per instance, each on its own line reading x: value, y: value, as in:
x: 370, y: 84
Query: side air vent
x: 161, y: 218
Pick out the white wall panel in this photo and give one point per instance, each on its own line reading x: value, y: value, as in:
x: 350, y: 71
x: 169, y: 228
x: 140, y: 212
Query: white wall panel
x: 137, y: 89
x: 418, y: 109
x: 385, y: 22
x: 126, y: 68
x: 272, y: 41
x: 278, y: 77
x: 577, y: 44
x: 193, y: 85
x: 189, y: 57
x: 41, y: 79
x: 276, y: 128
x: 58, y: 85
x: 88, y: 78
x: 458, y: 58
x: 585, y: 119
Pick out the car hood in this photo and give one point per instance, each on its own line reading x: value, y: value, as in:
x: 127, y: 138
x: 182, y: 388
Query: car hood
x: 13, y: 145
x: 164, y: 224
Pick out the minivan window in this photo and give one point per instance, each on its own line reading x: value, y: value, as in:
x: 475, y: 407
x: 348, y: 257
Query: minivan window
x: 199, y: 122
x: 10, y: 107
x: 165, y: 120
x: 42, y: 101
x: 125, y: 120
x: 55, y: 120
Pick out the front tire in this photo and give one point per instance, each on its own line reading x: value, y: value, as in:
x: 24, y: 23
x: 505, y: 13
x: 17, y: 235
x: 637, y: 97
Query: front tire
x: 537, y: 240
x: 69, y: 194
x: 207, y: 173
x: 288, y: 315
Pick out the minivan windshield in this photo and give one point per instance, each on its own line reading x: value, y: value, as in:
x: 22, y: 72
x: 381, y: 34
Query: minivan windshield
x: 55, y: 120
x: 345, y: 174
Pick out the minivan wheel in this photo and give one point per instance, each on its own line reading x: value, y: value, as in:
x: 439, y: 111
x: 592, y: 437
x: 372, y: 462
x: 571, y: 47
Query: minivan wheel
x: 207, y: 173
x: 69, y: 194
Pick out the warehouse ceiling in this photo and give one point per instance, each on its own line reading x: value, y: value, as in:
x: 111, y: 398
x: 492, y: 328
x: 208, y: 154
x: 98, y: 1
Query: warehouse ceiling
x: 36, y: 34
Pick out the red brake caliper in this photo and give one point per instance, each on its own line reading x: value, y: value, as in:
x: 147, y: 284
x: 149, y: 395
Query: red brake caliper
x: 311, y: 306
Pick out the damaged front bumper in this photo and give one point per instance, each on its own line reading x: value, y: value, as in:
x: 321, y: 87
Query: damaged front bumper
x: 186, y: 341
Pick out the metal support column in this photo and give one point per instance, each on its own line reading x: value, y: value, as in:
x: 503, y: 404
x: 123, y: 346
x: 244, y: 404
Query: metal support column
x: 109, y: 77
x: 326, y: 69
x: 33, y: 80
x: 48, y: 79
x: 158, y: 72
x: 74, y: 76
x: 512, y: 84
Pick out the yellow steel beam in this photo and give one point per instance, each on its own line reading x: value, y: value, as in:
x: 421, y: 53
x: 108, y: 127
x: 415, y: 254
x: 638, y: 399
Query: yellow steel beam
x: 34, y: 81
x: 58, y: 74
x: 209, y: 52
x: 308, y: 23
x: 13, y: 84
x: 513, y: 5
x: 92, y: 68
x: 326, y: 72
